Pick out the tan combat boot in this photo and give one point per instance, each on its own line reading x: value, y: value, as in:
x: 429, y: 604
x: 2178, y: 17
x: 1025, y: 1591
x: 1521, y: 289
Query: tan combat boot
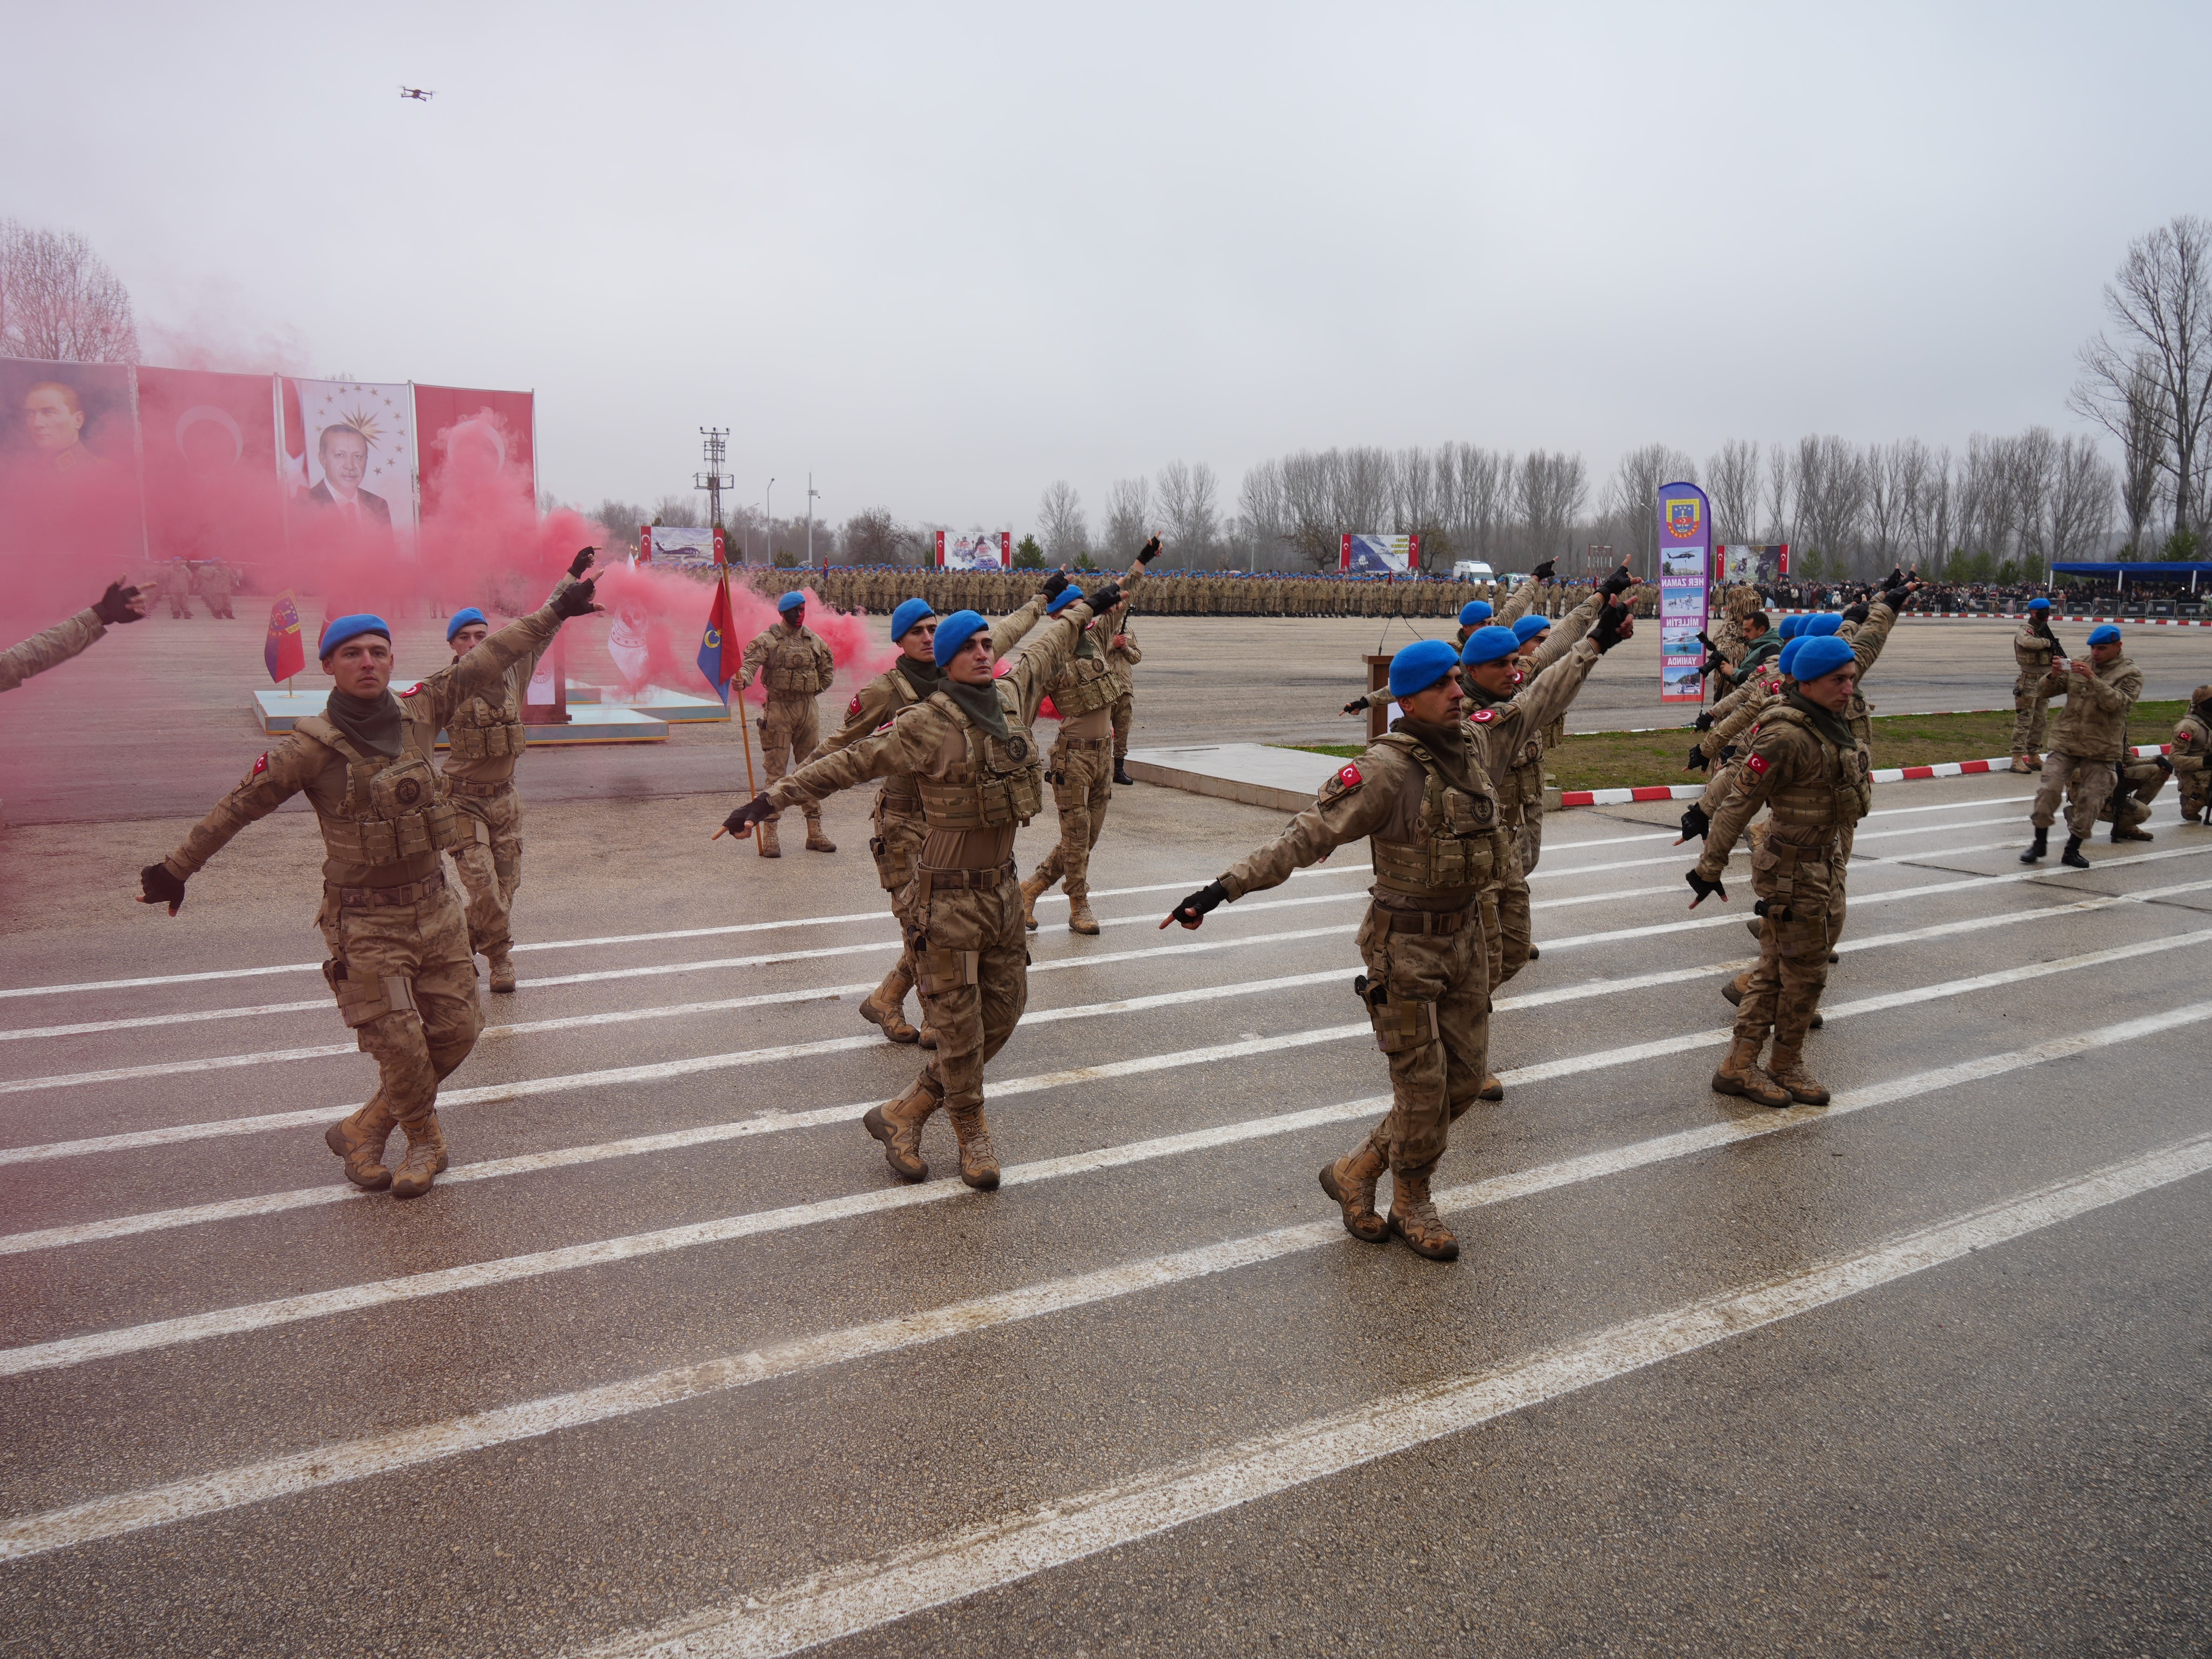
x: 2132, y: 834
x: 897, y: 1124
x: 1735, y: 989
x: 979, y: 1159
x: 892, y: 1020
x: 1350, y: 1181
x: 1788, y: 1070
x: 769, y: 848
x: 815, y: 840
x: 502, y: 971
x: 1414, y: 1218
x: 1491, y: 1089
x: 1079, y: 918
x: 425, y: 1160
x: 1032, y: 891
x: 1740, y: 1075
x: 928, y: 1038
x: 2020, y: 764
x: 359, y: 1141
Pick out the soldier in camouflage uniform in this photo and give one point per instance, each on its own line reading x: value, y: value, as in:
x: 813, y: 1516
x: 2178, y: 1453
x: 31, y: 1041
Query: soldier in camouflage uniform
x: 399, y: 963
x: 1122, y: 655
x: 2141, y: 779
x: 121, y: 603
x: 2090, y: 739
x: 972, y: 754
x: 177, y: 588
x: 215, y: 584
x: 2031, y: 649
x: 899, y: 824
x: 799, y: 668
x: 1806, y: 766
x: 2192, y: 755
x: 485, y: 738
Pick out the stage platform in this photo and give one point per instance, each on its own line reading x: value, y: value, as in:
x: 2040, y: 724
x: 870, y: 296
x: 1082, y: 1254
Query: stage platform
x: 587, y: 722
x: 1257, y: 774
x: 657, y: 702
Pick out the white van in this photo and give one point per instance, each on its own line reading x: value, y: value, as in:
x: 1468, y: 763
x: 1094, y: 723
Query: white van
x: 1471, y: 570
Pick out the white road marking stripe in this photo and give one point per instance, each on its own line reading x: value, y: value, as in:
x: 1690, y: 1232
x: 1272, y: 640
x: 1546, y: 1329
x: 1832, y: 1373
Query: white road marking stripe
x: 333, y: 1465
x: 192, y: 1327
x: 867, y: 1596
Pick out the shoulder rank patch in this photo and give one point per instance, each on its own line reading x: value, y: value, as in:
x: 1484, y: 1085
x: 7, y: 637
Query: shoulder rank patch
x: 259, y: 766
x: 1756, y: 763
x: 1483, y: 716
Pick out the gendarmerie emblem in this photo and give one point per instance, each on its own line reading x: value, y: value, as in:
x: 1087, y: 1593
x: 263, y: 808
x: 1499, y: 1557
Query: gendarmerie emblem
x: 408, y: 791
x: 1019, y: 747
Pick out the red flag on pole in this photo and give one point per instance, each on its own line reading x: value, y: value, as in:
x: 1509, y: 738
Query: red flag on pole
x: 718, y: 656
x: 285, y: 653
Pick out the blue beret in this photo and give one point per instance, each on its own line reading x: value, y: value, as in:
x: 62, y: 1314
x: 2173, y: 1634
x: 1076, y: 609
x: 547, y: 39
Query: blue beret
x: 792, y: 600
x: 1788, y: 659
x: 2104, y: 633
x: 1488, y: 645
x: 1059, y: 601
x: 1792, y: 626
x: 1474, y: 613
x: 1528, y: 627
x: 1420, y: 665
x: 954, y: 632
x: 2038, y: 605
x: 908, y: 613
x: 1817, y: 658
x: 1823, y: 623
x: 463, y: 618
x: 349, y: 627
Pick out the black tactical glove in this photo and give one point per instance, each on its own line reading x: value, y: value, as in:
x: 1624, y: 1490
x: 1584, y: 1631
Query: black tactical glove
x: 1896, y: 577
x: 1770, y: 910
x: 1104, y: 599
x: 1704, y: 889
x: 1614, y: 624
x: 1617, y: 583
x: 753, y: 812
x: 1192, y: 910
x: 575, y: 601
x: 1728, y: 753
x: 1697, y: 761
x: 1858, y: 613
x: 2164, y: 764
x: 1894, y: 597
x: 113, y: 607
x: 582, y: 562
x: 1356, y: 706
x: 1694, y: 823
x: 157, y: 886
x: 1054, y: 584
x: 1704, y: 722
x: 1542, y: 572
x: 1150, y: 551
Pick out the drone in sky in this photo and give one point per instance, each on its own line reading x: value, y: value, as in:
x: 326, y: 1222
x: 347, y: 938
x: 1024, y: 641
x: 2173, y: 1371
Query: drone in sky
x: 417, y: 94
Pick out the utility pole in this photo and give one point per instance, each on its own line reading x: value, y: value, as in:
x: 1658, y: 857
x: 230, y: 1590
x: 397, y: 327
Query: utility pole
x: 713, y: 480
x: 812, y: 494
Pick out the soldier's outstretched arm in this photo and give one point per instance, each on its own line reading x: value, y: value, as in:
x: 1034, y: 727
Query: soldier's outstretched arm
x: 1012, y: 628
x: 906, y: 749
x: 479, y: 671
x: 870, y: 707
x: 1048, y: 652
x: 1545, y: 696
x: 65, y: 639
x: 1560, y: 637
x: 1747, y: 709
x: 274, y: 779
x: 1754, y: 780
x: 1352, y: 803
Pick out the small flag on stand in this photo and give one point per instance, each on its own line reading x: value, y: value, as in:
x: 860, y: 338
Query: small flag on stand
x: 286, y: 653
x: 718, y: 654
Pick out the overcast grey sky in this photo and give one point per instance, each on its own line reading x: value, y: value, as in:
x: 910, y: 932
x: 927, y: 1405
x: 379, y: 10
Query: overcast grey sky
x: 944, y: 255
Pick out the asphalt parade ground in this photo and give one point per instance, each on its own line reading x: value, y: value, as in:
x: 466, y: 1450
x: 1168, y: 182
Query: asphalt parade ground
x: 668, y: 1363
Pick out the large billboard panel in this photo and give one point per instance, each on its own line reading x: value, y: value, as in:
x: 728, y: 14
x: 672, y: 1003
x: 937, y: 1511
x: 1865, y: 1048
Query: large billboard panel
x: 349, y: 457
x: 975, y: 549
x: 1739, y: 563
x: 473, y: 443
x: 69, y: 476
x: 1686, y: 551
x: 679, y: 547
x: 210, y: 457
x: 1378, y: 556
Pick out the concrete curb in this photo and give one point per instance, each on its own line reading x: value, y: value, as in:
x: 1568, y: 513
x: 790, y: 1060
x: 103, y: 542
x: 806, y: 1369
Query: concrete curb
x: 1884, y: 775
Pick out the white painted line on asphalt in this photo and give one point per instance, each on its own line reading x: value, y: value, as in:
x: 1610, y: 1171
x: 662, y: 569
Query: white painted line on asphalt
x: 252, y: 1316
x: 867, y: 1596
x: 333, y: 1465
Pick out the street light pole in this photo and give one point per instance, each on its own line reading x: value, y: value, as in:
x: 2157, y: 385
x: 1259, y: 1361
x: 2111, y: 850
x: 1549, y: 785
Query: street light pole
x: 812, y: 493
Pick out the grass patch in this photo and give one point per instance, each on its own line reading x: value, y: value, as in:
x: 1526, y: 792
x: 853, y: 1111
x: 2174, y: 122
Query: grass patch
x: 1626, y: 760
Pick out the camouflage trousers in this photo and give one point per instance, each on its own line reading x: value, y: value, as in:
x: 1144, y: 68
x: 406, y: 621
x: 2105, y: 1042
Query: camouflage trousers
x: 490, y: 865
x: 1082, y: 774
x: 1505, y: 924
x: 1528, y: 839
x: 2031, y: 717
x: 1793, y: 871
x: 2138, y: 785
x: 1125, y: 709
x: 788, y: 727
x: 2091, y: 782
x: 406, y: 986
x: 2196, y: 787
x: 1838, y: 876
x: 900, y: 831
x: 1433, y: 1025
x: 971, y: 962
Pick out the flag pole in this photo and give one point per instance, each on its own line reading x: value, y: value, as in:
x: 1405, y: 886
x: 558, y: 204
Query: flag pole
x: 744, y: 726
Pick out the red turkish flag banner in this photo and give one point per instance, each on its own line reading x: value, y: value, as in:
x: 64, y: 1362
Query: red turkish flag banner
x: 212, y: 486
x: 472, y: 441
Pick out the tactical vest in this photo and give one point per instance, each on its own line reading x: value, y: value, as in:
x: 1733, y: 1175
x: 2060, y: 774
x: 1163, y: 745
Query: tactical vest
x: 1458, y: 843
x: 788, y: 666
x: 482, y: 729
x: 1085, y: 683
x: 1000, y: 783
x: 1836, y: 801
x: 1519, y: 774
x: 395, y: 807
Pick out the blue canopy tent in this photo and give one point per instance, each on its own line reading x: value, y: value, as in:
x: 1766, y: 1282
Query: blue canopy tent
x: 2171, y: 570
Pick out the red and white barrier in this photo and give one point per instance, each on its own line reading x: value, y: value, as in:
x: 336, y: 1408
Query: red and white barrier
x: 1884, y: 775
x: 2003, y: 617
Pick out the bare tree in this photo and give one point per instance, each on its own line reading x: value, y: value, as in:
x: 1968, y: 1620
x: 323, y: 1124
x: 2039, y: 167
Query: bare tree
x: 1262, y: 522
x: 1779, y: 479
x: 1732, y: 481
x: 874, y: 536
x: 1477, y: 499
x: 59, y: 301
x: 1831, y: 491
x: 2142, y: 450
x: 1365, y: 480
x: 1188, y: 502
x: 1552, y: 490
x: 1886, y: 485
x: 1309, y: 506
x: 2160, y: 303
x: 1060, y: 518
x: 1631, y: 503
x: 683, y: 510
x: 620, y: 519
x: 2081, y: 495
x: 1931, y: 506
x: 2032, y: 462
x: 1128, y: 518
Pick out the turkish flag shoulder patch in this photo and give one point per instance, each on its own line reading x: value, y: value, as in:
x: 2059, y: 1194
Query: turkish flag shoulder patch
x: 853, y: 708
x: 259, y: 766
x: 1350, y: 777
x: 1757, y: 763
x: 412, y: 689
x: 1483, y: 716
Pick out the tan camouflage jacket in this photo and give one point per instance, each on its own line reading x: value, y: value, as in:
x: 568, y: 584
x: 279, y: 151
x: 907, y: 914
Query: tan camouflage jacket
x: 2094, y: 725
x: 2032, y: 650
x: 1811, y: 784
x: 486, y: 735
x: 1510, y: 731
x: 2192, y: 738
x: 1123, y: 657
x: 64, y: 640
x: 298, y: 763
x: 783, y: 650
x: 1866, y: 640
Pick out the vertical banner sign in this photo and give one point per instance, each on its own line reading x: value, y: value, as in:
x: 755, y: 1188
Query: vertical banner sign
x: 1686, y: 557
x: 976, y: 549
